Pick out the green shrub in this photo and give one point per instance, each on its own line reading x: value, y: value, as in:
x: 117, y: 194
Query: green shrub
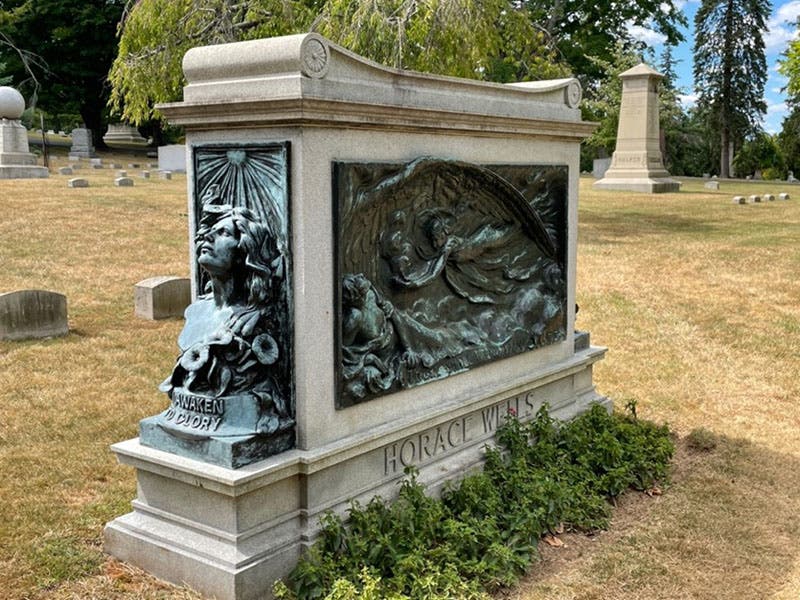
x: 484, y: 531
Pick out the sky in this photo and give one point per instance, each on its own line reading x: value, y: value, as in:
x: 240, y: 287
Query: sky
x: 782, y: 29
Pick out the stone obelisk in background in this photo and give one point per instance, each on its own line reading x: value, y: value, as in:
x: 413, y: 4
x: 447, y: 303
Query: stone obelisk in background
x: 637, y: 164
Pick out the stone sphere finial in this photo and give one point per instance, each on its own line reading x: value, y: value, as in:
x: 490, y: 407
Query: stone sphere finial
x: 12, y: 104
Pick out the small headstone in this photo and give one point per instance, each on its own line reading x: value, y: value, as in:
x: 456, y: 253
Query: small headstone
x: 791, y: 178
x: 65, y: 171
x: 123, y: 182
x: 165, y: 174
x: 133, y: 165
x: 161, y: 297
x: 706, y: 175
x: 122, y: 173
x: 97, y: 166
x: 714, y: 177
x: 82, y: 144
x: 749, y: 177
x: 755, y: 199
x: 172, y: 158
x: 153, y: 165
x: 600, y: 166
x: 114, y: 166
x: 95, y: 161
x: 739, y: 200
x: 712, y: 185
x: 768, y: 197
x: 145, y: 174
x: 783, y: 196
x: 75, y: 166
x: 78, y: 182
x: 29, y: 314
x: 73, y: 157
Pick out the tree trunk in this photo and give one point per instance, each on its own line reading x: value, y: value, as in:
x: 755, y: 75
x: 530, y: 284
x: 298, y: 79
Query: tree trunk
x: 724, y: 160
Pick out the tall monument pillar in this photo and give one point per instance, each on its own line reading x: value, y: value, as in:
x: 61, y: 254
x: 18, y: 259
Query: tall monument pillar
x: 637, y: 164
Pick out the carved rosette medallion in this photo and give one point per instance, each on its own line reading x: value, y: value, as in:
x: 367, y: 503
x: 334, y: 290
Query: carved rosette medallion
x: 231, y: 389
x: 574, y: 93
x: 314, y: 56
x: 442, y: 266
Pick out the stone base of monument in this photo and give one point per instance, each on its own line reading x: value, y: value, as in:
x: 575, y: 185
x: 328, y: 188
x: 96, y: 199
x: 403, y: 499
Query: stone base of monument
x: 23, y: 172
x: 644, y: 184
x: 232, y: 533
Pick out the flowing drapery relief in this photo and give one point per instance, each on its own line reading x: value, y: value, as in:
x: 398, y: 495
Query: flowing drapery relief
x: 444, y: 265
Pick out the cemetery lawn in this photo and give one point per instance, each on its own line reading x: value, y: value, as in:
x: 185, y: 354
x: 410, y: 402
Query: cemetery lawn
x: 697, y: 299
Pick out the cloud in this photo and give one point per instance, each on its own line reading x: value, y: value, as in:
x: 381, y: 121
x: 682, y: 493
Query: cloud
x: 782, y: 27
x: 687, y: 99
x: 777, y: 108
x: 646, y: 35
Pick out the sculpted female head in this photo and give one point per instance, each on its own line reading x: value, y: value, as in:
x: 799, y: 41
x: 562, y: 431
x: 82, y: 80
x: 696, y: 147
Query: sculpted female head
x: 232, y: 245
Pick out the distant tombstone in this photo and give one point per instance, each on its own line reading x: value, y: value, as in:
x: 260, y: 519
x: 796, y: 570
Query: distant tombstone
x: 145, y: 174
x: 161, y: 297
x: 123, y: 182
x: 706, y: 175
x: 95, y: 161
x: 65, y: 171
x: 172, y: 158
x: 714, y: 177
x: 637, y: 164
x: 16, y: 162
x: 75, y: 166
x: 712, y: 185
x: 78, y: 182
x: 165, y: 174
x: 28, y: 314
x: 133, y: 165
x: 152, y: 165
x: 600, y: 166
x: 97, y: 166
x: 748, y: 177
x: 783, y: 196
x: 82, y: 143
x: 791, y: 178
x: 755, y: 199
x: 757, y: 175
x: 122, y: 173
x: 739, y: 200
x: 115, y: 166
x: 768, y: 197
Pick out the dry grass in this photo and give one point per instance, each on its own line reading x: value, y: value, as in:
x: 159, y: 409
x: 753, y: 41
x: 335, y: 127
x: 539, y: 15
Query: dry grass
x: 696, y: 298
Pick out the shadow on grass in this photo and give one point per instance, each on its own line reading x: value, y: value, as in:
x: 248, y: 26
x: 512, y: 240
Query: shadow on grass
x: 727, y: 527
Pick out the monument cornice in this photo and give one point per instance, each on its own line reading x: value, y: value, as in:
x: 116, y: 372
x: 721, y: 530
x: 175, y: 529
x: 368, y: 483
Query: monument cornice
x: 311, y: 112
x: 306, y: 80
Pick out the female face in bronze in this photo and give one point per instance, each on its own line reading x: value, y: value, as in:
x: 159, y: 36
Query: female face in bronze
x: 218, y: 252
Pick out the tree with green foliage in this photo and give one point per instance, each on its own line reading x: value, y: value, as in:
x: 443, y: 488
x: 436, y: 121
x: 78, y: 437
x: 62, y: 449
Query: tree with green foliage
x: 493, y: 40
x: 583, y: 32
x: 730, y: 68
x: 760, y: 154
x: 789, y: 139
x: 59, y: 52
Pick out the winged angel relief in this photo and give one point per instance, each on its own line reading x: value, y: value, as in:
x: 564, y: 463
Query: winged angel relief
x: 445, y: 265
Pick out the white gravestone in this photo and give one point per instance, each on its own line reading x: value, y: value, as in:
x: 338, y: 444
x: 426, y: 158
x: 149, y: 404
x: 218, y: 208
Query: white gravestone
x: 172, y: 158
x: 162, y: 297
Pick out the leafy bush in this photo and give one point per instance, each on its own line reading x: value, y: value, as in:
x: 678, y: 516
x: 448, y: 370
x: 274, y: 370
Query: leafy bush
x: 484, y: 531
